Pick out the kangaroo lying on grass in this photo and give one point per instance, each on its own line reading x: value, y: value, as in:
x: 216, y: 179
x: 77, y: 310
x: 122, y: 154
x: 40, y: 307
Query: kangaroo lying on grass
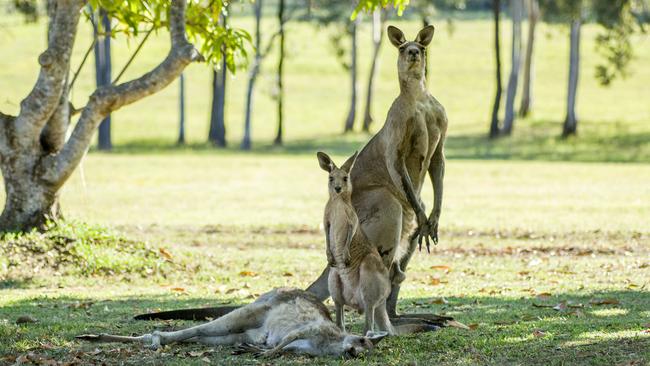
x: 279, y: 321
x: 357, y: 277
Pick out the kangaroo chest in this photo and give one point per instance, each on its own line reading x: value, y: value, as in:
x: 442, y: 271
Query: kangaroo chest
x: 421, y: 140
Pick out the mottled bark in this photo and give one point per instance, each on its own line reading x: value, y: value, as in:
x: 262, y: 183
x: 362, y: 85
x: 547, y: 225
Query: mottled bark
x: 33, y: 174
x: 378, y: 18
x: 349, y: 121
x: 571, y: 121
x: 252, y: 77
x: 494, y: 123
x: 513, y: 80
x: 529, y: 75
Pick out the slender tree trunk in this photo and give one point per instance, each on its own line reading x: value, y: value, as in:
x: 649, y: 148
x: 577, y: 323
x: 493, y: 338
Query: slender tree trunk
x: 508, y: 122
x: 377, y: 37
x: 217, y: 133
x: 571, y: 121
x: 527, y: 97
x: 494, y: 124
x: 349, y: 121
x: 181, y: 124
x: 252, y: 77
x: 280, y: 75
x: 103, y: 76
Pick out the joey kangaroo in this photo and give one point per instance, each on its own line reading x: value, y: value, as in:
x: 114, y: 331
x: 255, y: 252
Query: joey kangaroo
x: 283, y: 320
x: 390, y: 170
x: 357, y: 276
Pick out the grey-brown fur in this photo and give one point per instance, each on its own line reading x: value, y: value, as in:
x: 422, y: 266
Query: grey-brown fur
x: 357, y: 277
x: 279, y: 321
x: 390, y: 170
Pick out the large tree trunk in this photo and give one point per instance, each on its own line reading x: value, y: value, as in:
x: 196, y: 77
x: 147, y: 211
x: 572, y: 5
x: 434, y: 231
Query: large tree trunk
x: 252, y: 77
x: 527, y: 96
x: 508, y: 121
x: 494, y: 123
x: 217, y: 132
x: 30, y: 202
x: 181, y: 111
x: 280, y: 75
x: 349, y: 121
x: 103, y: 75
x: 35, y: 160
x: 377, y: 37
x: 571, y: 121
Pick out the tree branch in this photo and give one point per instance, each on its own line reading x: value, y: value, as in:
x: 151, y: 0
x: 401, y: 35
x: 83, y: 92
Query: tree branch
x: 40, y: 104
x: 110, y: 98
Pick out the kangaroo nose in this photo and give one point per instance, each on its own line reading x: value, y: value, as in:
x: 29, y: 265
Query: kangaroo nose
x: 337, y: 189
x: 413, y: 52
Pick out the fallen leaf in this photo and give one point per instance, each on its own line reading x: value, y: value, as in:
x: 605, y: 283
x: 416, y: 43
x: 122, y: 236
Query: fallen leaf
x: 196, y: 353
x: 561, y: 306
x: 178, y: 289
x: 537, y: 333
x: 205, y: 359
x: 473, y: 326
x: 607, y: 301
x: 80, y: 305
x: 434, y: 281
x: 544, y: 296
x: 166, y: 254
x: 247, y: 274
x: 440, y: 301
x: 287, y: 274
x: 505, y: 322
x: 443, y: 268
x: 542, y: 305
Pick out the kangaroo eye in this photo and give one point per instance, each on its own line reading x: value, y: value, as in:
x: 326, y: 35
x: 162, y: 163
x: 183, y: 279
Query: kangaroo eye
x: 331, y: 179
x: 345, y: 179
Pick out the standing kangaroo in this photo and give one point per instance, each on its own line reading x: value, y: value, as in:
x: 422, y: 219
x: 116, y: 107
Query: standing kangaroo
x: 390, y: 170
x: 388, y: 177
x: 279, y: 321
x: 357, y: 276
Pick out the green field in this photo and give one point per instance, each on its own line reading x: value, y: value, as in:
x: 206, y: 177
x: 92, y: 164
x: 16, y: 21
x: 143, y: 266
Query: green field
x: 531, y: 220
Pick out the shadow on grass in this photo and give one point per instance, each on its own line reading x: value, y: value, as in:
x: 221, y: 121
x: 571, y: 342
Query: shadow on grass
x: 535, y: 140
x: 507, y: 330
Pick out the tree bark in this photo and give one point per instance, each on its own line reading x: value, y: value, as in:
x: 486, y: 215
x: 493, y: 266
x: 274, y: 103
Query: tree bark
x: 280, y: 75
x: 33, y: 175
x: 181, y: 110
x: 217, y: 133
x: 103, y: 75
x: 508, y: 122
x: 527, y: 96
x: 494, y: 124
x: 377, y: 36
x: 349, y: 121
x: 571, y: 122
x: 252, y: 77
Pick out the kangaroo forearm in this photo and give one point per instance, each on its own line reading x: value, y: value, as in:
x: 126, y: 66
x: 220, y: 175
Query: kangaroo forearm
x: 437, y: 175
x: 407, y: 186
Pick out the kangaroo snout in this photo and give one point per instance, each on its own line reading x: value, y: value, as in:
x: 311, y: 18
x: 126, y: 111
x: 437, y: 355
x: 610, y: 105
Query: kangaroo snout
x: 337, y: 189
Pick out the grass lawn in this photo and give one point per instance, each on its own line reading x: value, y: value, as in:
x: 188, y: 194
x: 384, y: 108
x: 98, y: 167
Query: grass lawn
x: 529, y: 223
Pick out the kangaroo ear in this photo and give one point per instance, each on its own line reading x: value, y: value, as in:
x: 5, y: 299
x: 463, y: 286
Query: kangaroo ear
x: 425, y: 35
x: 325, y: 162
x: 349, y: 164
x: 375, y: 337
x: 396, y: 36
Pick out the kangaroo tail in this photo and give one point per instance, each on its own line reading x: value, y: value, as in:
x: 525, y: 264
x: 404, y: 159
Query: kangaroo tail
x: 189, y: 314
